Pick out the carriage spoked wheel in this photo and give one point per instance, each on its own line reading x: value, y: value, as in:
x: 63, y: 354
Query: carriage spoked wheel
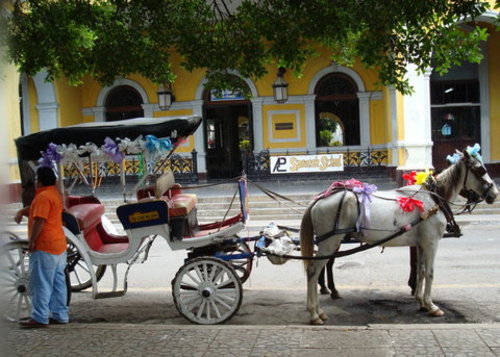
x: 242, y: 266
x: 14, y: 280
x: 79, y: 271
x: 207, y: 291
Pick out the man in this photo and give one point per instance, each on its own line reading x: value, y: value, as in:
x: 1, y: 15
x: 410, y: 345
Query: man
x: 47, y: 247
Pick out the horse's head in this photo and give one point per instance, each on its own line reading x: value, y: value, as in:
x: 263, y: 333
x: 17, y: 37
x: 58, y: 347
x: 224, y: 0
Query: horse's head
x: 477, y: 181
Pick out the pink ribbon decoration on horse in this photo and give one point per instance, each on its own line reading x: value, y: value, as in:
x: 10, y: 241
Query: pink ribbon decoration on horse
x: 347, y: 184
x: 408, y: 204
x: 365, y: 197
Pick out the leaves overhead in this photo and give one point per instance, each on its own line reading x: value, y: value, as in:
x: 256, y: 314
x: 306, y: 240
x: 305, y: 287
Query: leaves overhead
x: 106, y: 39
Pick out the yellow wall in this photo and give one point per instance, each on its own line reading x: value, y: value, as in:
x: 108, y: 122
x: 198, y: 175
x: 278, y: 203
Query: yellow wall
x: 494, y: 83
x: 378, y: 122
x: 69, y: 99
x: 11, y: 121
x: 280, y: 113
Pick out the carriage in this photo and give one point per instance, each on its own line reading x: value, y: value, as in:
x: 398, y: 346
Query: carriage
x: 207, y: 289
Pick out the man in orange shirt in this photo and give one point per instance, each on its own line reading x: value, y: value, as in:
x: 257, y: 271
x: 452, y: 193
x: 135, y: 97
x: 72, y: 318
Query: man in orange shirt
x: 47, y: 247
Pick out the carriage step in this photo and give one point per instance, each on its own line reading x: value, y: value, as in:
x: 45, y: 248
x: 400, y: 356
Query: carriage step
x: 110, y: 294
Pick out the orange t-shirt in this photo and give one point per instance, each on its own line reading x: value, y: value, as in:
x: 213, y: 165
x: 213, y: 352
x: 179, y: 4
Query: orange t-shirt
x: 48, y: 204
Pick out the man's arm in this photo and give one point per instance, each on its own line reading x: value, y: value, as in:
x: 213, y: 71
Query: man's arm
x: 36, y: 228
x: 22, y: 212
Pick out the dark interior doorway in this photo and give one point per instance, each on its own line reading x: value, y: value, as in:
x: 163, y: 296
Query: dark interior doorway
x: 123, y: 102
x: 228, y: 131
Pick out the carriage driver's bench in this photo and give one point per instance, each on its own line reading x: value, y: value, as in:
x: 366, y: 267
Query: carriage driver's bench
x: 182, y: 211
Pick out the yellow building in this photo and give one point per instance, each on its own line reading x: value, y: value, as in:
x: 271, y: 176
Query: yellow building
x: 372, y: 125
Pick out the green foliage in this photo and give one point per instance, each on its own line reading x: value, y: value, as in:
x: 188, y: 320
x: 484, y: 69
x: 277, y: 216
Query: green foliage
x: 245, y: 145
x: 106, y: 39
x: 325, y: 137
x: 328, y: 124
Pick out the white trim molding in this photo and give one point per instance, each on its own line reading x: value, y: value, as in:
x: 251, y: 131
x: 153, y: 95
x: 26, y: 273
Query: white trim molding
x: 47, y: 105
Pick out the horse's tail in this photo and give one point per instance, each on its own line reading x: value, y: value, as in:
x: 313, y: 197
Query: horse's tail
x: 306, y: 236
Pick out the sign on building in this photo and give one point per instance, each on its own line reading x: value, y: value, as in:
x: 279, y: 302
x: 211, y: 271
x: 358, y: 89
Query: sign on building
x: 306, y: 163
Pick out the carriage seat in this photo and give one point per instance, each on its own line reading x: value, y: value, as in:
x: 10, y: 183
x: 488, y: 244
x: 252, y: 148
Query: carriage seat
x: 88, y: 216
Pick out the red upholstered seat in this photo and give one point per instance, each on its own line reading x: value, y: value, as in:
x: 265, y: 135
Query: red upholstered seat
x: 181, y: 204
x: 87, y: 214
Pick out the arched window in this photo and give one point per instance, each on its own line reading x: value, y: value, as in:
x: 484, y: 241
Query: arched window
x: 337, y: 111
x: 123, y: 102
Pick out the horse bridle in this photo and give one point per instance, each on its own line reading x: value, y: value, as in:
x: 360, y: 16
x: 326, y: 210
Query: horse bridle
x: 473, y: 198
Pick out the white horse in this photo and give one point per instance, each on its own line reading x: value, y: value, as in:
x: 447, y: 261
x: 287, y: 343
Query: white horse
x: 341, y: 211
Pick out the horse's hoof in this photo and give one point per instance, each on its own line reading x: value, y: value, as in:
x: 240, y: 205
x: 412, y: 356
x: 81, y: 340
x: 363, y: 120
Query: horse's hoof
x: 335, y: 296
x: 323, y: 316
x: 436, y: 313
x: 323, y: 291
x: 317, y: 322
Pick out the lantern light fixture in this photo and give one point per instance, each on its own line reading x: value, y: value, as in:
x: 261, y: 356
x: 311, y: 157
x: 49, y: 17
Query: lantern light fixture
x: 280, y: 87
x: 165, y: 96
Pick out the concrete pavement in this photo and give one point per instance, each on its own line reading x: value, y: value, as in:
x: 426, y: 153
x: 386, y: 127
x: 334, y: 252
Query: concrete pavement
x: 287, y: 341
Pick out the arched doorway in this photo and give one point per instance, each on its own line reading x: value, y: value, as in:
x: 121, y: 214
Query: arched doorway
x: 337, y: 111
x: 455, y: 111
x: 123, y: 102
x: 228, y: 132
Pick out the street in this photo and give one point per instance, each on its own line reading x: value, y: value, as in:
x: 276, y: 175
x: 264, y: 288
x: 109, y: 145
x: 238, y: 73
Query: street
x: 372, y: 285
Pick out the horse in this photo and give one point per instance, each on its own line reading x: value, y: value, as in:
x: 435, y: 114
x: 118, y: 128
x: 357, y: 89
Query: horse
x: 341, y: 210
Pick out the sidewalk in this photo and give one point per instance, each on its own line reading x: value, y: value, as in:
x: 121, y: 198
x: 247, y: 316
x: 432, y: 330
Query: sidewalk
x: 230, y: 340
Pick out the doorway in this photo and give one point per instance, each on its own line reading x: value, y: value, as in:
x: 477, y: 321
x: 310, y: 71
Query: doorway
x: 228, y: 132
x: 455, y: 112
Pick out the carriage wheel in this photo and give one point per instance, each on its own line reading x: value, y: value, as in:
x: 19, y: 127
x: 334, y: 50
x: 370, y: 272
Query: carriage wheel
x: 79, y: 270
x: 243, y: 266
x: 15, y: 300
x: 207, y: 291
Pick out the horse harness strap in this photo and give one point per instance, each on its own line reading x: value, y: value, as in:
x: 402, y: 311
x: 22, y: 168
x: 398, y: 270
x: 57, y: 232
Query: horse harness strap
x: 432, y: 211
x: 335, y: 229
x: 452, y: 227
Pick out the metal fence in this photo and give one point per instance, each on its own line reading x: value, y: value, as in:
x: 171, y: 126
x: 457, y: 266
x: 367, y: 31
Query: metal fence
x: 257, y: 165
x: 185, y: 169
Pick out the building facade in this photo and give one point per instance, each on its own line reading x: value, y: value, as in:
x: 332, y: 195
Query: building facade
x: 330, y: 109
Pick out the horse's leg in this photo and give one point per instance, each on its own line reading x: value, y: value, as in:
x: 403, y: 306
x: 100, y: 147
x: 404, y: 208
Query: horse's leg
x: 429, y: 258
x: 313, y: 271
x: 321, y: 281
x: 419, y: 277
x: 412, y: 279
x: 334, y: 294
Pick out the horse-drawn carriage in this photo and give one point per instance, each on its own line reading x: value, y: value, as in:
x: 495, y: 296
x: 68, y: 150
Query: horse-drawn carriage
x: 207, y: 289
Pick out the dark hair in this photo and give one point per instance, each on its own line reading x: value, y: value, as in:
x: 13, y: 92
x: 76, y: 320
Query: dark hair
x: 46, y: 176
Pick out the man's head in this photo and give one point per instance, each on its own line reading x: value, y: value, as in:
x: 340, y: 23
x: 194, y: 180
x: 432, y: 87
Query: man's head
x: 46, y: 176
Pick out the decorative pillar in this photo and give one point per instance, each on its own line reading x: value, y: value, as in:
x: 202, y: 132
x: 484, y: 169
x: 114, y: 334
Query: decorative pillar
x: 364, y: 118
x: 310, y: 122
x: 199, y: 141
x: 417, y: 140
x: 258, y: 142
x: 47, y: 114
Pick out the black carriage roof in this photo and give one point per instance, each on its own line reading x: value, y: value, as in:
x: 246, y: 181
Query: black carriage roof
x: 30, y: 146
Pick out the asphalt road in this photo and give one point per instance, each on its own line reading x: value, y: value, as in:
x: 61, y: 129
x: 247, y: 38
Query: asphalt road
x: 372, y: 285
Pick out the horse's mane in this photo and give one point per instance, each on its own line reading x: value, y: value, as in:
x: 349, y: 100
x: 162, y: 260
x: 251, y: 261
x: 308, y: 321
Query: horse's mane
x: 448, y: 181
